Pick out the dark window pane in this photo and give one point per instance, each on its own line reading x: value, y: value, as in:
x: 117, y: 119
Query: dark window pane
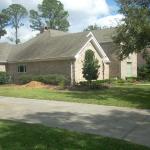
x: 21, y: 68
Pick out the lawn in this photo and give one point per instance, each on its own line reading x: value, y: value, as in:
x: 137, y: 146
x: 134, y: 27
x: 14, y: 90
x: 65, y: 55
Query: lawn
x: 135, y: 96
x: 21, y: 136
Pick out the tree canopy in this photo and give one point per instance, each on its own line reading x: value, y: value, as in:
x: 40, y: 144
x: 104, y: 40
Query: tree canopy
x: 133, y: 34
x: 36, y: 20
x: 15, y: 14
x: 52, y: 14
x: 92, y: 27
x: 3, y: 24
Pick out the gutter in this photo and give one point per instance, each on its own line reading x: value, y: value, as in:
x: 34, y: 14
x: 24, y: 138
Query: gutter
x: 43, y: 60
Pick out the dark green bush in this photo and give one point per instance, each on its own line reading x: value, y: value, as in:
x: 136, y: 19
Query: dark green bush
x: 98, y: 84
x: 25, y: 79
x: 53, y: 79
x: 144, y: 71
x: 4, y: 78
x: 120, y: 81
x: 131, y: 79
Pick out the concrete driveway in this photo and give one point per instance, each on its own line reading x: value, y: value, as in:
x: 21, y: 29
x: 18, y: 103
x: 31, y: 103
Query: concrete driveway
x: 123, y: 123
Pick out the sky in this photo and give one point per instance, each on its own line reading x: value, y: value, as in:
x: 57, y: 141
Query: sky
x: 81, y: 14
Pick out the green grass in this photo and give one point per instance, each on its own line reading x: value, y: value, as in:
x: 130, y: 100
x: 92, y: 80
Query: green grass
x: 135, y: 96
x: 21, y: 136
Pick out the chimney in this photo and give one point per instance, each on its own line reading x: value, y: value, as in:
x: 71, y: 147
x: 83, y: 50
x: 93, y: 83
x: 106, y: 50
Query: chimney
x: 43, y: 29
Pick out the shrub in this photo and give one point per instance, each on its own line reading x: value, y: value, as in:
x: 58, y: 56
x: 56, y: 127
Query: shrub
x: 98, y: 84
x: 62, y: 85
x: 131, y: 79
x: 144, y: 71
x: 103, y: 81
x: 53, y: 79
x: 25, y: 79
x: 4, y: 78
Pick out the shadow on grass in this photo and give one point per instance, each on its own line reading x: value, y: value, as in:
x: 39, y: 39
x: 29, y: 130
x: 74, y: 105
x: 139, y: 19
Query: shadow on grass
x: 117, y: 124
x: 118, y: 96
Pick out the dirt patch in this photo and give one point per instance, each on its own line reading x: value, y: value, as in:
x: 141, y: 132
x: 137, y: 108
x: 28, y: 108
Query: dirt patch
x: 36, y: 84
x: 32, y: 84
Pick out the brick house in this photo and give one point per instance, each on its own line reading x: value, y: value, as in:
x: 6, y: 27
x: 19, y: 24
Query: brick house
x: 57, y: 52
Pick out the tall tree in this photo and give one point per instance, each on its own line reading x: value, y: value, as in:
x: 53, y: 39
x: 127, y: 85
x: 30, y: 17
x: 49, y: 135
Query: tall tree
x: 90, y: 66
x: 16, y: 13
x: 133, y: 35
x: 36, y: 20
x: 52, y: 13
x: 92, y: 27
x: 3, y: 24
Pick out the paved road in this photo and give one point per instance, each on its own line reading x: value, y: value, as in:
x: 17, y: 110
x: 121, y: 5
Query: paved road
x: 124, y: 123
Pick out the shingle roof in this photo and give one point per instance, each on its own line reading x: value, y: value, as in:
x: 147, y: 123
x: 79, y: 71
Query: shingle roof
x: 44, y: 47
x: 52, y: 45
x: 111, y: 50
x: 104, y: 35
x: 5, y: 49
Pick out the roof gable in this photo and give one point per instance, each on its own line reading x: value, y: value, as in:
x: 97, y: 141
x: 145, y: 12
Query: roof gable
x: 97, y: 46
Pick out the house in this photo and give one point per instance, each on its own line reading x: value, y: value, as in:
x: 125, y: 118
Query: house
x: 57, y: 52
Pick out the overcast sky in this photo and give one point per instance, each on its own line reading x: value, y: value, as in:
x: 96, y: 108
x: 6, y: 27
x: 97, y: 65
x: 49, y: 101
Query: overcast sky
x: 81, y: 14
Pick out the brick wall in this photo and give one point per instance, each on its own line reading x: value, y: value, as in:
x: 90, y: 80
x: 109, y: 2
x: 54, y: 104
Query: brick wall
x: 41, y: 68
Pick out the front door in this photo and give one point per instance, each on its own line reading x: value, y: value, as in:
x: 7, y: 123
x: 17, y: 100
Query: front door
x: 129, y: 69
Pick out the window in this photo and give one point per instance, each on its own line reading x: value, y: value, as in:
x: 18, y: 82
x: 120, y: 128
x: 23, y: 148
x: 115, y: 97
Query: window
x: 22, y: 68
x: 129, y: 69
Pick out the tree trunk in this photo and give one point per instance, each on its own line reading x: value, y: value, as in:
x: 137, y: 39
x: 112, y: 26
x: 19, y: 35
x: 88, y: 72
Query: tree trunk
x: 16, y: 40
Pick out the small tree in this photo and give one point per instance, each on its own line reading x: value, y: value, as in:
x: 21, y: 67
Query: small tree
x: 90, y: 66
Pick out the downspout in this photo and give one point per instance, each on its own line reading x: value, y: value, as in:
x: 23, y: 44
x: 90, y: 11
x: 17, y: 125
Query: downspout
x: 103, y: 71
x: 72, y: 73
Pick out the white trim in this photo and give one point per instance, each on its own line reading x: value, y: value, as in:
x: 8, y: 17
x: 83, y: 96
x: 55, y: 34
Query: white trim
x: 99, y: 48
x: 104, y: 56
x: 90, y: 33
x: 72, y: 73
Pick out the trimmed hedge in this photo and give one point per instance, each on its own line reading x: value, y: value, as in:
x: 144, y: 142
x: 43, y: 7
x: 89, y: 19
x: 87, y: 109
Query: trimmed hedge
x: 53, y: 79
x: 97, y: 84
x: 4, y: 78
